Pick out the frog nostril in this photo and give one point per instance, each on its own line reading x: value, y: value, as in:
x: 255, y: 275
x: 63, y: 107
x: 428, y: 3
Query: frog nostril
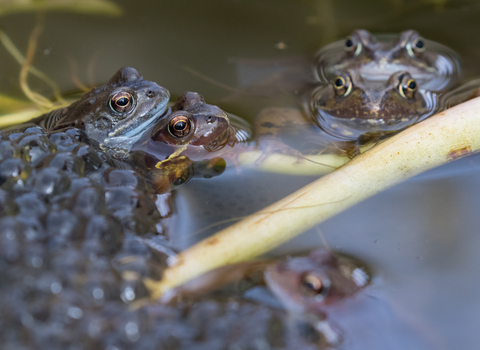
x: 151, y: 93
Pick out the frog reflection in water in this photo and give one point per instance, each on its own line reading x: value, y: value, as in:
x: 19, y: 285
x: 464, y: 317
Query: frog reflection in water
x: 434, y: 66
x: 334, y: 292
x: 179, y: 170
x: 193, y: 128
x: 115, y: 114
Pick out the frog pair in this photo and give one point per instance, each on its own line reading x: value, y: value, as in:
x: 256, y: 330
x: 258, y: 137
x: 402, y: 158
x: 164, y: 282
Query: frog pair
x: 379, y: 84
x: 131, y: 115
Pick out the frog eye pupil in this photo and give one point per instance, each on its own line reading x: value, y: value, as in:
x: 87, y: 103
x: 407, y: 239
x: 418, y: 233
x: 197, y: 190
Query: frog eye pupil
x: 181, y: 125
x: 419, y: 44
x: 312, y: 285
x: 349, y: 43
x: 412, y: 85
x: 122, y: 102
x: 339, y: 82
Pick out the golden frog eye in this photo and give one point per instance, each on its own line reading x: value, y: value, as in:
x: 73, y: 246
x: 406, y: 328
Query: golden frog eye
x: 407, y: 86
x: 342, y: 85
x: 352, y: 45
x: 122, y: 102
x: 312, y: 285
x: 179, y: 126
x: 416, y: 47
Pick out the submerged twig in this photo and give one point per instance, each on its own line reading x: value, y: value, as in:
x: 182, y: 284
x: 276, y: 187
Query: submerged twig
x: 449, y: 135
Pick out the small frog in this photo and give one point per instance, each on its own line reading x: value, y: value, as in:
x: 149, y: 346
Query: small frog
x: 376, y: 58
x: 115, y: 114
x: 193, y: 128
x: 311, y: 283
x: 349, y: 108
x: 336, y: 294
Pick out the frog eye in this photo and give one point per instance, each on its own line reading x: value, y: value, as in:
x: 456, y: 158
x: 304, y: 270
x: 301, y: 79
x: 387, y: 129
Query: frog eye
x: 314, y: 286
x: 179, y: 126
x: 353, y: 45
x: 407, y: 86
x: 416, y: 47
x: 179, y: 181
x: 342, y: 85
x: 122, y: 102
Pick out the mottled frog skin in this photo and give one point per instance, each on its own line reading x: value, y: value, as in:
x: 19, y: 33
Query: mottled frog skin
x: 350, y: 111
x: 193, y: 128
x: 115, y: 114
x: 348, y: 107
x: 376, y: 58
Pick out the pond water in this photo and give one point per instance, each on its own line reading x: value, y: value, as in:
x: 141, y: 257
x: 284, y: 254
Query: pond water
x: 420, y: 237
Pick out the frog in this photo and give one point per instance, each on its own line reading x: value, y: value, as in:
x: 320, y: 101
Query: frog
x: 308, y: 285
x: 116, y: 114
x: 349, y: 108
x: 349, y: 112
x: 376, y: 58
x: 315, y: 281
x: 193, y: 128
x: 343, y: 299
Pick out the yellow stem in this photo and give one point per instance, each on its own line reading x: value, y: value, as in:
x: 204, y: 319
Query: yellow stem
x: 447, y: 136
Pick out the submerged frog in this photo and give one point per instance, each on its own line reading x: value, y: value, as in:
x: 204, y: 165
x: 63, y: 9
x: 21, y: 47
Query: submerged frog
x: 115, y: 114
x: 193, y: 128
x: 349, y: 108
x: 351, y: 112
x: 336, y: 294
x: 311, y: 283
x: 376, y: 58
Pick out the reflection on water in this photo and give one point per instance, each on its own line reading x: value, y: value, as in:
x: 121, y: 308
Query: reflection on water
x: 421, y: 235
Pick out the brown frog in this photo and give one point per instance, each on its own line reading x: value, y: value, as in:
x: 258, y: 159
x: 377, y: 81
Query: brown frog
x: 115, y: 114
x: 376, y: 58
x: 335, y: 293
x: 351, y: 111
x: 316, y: 281
x: 193, y: 128
x: 348, y: 107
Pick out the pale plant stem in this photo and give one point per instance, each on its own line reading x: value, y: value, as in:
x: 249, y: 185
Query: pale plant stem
x: 447, y: 136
